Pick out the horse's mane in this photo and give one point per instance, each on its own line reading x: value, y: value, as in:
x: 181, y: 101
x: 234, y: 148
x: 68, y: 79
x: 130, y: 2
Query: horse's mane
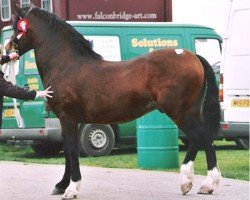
x: 79, y: 43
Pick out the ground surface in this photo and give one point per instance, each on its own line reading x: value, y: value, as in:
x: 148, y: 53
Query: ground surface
x: 34, y: 182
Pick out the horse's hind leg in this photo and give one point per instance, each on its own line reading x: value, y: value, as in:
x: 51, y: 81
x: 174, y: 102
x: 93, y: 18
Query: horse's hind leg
x: 213, y: 177
x: 211, y: 125
x: 190, y: 128
x: 198, y: 136
x: 72, y: 176
x: 187, y: 168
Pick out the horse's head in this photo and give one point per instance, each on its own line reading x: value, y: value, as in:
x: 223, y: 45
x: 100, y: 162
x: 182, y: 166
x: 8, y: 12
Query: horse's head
x: 21, y: 39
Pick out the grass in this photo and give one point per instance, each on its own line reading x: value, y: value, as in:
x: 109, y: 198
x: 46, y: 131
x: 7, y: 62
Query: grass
x: 234, y: 163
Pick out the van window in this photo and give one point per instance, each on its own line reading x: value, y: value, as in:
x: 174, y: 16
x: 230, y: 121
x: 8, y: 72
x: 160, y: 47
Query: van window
x: 107, y: 46
x: 211, y: 50
x: 6, y: 66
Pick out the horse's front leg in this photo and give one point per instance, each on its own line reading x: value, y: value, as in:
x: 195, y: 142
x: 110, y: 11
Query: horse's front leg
x: 64, y: 183
x: 72, y: 176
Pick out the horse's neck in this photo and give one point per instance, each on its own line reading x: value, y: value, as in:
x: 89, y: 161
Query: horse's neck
x: 48, y: 59
x: 50, y: 54
x: 53, y: 52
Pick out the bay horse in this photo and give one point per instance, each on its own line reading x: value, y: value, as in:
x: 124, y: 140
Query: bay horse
x: 88, y: 89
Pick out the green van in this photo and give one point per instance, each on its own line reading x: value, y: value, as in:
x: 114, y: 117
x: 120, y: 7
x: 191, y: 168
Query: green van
x: 115, y: 41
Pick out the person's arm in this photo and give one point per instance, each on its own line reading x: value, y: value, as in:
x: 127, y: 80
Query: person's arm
x: 13, y: 91
x: 8, y: 58
x: 45, y: 93
x: 5, y: 59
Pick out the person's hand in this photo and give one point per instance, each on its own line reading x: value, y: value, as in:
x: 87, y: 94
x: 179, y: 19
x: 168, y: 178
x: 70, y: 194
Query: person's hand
x: 13, y: 56
x: 46, y: 93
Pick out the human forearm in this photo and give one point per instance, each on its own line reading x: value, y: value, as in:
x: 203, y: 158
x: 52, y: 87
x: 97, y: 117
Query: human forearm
x: 5, y: 59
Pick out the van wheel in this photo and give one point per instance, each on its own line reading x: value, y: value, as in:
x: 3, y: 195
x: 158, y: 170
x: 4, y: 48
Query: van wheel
x: 96, y: 140
x: 242, y: 143
x: 50, y: 149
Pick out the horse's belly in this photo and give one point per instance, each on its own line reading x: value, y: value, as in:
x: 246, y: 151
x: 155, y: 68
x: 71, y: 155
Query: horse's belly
x: 116, y: 115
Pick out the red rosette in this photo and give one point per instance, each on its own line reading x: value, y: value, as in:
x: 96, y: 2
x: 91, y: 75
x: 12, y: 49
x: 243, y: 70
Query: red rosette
x: 23, y: 25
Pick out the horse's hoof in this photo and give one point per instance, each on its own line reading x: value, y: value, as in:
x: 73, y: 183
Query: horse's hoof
x: 58, y: 191
x: 211, y: 182
x: 72, y: 190
x: 205, y: 190
x: 185, y: 188
x: 69, y: 194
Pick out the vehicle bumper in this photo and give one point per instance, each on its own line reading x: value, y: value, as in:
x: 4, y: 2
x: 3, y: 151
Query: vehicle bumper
x: 52, y: 132
x: 232, y: 130
x: 31, y: 134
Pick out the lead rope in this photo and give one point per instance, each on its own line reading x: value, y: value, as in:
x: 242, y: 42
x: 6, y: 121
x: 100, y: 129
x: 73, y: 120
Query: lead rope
x: 12, y: 79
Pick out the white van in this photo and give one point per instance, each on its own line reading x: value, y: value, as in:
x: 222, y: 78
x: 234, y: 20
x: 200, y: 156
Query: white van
x: 235, y: 74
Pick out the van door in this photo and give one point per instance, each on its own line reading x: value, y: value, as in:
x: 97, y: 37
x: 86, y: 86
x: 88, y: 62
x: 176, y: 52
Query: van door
x: 236, y: 65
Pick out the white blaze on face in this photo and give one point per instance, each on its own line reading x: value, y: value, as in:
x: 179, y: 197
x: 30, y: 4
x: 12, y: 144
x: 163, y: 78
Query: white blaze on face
x: 179, y: 51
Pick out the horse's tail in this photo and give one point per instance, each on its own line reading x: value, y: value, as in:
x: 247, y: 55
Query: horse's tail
x: 211, y: 105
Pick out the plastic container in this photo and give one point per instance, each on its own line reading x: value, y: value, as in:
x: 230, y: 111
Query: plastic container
x: 157, y: 142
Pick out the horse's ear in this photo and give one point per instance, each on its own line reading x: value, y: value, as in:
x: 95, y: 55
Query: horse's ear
x: 18, y: 9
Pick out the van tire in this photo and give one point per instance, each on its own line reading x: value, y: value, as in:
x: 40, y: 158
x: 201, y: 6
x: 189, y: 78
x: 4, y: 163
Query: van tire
x: 96, y: 140
x: 242, y: 143
x: 50, y: 149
